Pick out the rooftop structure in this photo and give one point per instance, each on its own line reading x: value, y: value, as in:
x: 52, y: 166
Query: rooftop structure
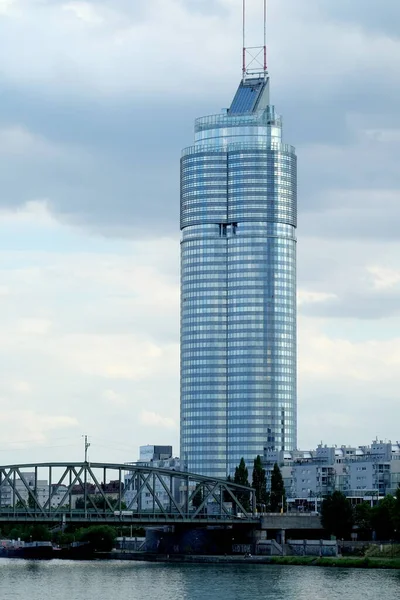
x: 363, y: 472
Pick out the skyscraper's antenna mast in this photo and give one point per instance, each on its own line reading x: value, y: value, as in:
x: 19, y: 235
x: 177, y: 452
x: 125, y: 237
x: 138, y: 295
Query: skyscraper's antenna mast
x: 254, y: 57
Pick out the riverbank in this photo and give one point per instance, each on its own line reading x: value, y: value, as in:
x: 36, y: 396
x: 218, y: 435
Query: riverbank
x: 342, y: 562
x: 306, y: 561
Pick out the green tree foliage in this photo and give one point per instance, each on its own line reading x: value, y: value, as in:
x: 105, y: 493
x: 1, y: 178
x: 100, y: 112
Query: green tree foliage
x: 226, y: 496
x: 396, y: 514
x: 37, y: 533
x: 362, y: 520
x: 15, y: 532
x: 277, y: 498
x: 241, y: 477
x: 241, y: 474
x: 259, y: 483
x: 197, y: 497
x: 337, y: 515
x: 94, y: 501
x: 383, y: 518
x: 100, y: 537
x: 80, y: 503
x: 63, y: 538
x: 32, y: 504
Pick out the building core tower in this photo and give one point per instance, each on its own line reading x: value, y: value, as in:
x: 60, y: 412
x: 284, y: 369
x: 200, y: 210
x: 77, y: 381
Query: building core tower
x: 238, y: 281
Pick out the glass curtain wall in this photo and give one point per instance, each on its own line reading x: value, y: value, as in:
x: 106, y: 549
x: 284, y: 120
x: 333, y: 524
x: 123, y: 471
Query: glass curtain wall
x: 238, y: 291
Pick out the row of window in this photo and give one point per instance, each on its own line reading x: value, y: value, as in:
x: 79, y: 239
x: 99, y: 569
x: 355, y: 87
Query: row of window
x: 240, y: 158
x: 269, y: 306
x: 235, y: 350
x: 259, y: 384
x: 233, y: 367
x: 198, y: 217
x: 207, y: 322
x: 209, y: 235
x: 281, y: 338
x: 265, y: 228
x: 262, y: 183
x: 222, y: 400
x: 235, y: 265
x: 250, y: 197
x: 241, y: 248
x: 246, y: 276
x: 278, y: 381
x: 233, y: 363
x: 223, y: 301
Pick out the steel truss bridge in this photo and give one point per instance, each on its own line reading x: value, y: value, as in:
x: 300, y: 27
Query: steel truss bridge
x: 128, y: 494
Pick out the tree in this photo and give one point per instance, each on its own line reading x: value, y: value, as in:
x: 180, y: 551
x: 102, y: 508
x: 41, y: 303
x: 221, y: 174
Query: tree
x: 337, y: 515
x: 62, y: 538
x: 241, y: 477
x: 16, y: 532
x: 37, y: 533
x: 259, y: 483
x: 362, y: 520
x: 278, y: 495
x: 383, y: 518
x: 32, y: 503
x: 241, y: 474
x: 94, y: 501
x: 197, y: 498
x: 226, y: 497
x: 100, y: 537
x: 396, y: 514
x: 80, y: 503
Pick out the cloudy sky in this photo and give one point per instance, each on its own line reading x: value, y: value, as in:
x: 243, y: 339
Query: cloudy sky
x: 97, y: 98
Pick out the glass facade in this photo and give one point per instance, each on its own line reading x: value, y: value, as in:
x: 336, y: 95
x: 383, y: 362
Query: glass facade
x: 238, y: 287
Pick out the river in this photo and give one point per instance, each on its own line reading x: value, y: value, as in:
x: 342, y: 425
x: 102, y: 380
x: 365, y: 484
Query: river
x: 114, y: 580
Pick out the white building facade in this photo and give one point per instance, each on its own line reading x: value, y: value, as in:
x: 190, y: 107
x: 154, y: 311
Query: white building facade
x: 363, y: 472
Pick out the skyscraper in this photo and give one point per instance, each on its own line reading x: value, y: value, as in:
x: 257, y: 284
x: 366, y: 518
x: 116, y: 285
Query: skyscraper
x: 238, y: 284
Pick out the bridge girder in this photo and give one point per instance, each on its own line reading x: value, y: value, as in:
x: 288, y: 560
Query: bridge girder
x: 117, y: 493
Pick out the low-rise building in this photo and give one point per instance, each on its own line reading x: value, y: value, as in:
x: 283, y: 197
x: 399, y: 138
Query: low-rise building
x: 361, y: 473
x: 157, y: 457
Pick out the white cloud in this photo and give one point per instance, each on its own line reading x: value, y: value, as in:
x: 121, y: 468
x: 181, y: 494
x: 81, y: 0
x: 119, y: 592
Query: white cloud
x: 34, y: 212
x: 111, y: 39
x: 153, y: 419
x: 385, y: 136
x: 34, y: 326
x: 17, y: 140
x: 384, y: 278
x: 7, y: 6
x: 90, y: 331
x: 308, y: 297
x: 30, y: 427
x: 111, y: 356
x: 21, y: 387
x: 85, y: 12
x: 112, y: 398
x: 342, y: 360
x: 347, y: 387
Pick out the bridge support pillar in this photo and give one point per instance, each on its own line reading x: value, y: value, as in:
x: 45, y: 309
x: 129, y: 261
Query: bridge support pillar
x: 282, y: 539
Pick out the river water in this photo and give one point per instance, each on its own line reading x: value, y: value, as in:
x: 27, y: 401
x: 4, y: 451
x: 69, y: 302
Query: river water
x: 114, y: 580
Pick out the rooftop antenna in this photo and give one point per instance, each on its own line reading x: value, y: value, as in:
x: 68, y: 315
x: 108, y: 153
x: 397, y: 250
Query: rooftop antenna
x: 254, y: 57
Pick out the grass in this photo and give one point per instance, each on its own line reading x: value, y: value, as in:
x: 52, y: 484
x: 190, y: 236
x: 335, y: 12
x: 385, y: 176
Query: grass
x: 388, y: 551
x: 358, y: 563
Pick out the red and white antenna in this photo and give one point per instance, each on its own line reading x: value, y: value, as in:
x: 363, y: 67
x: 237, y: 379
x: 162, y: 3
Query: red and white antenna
x: 254, y: 57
